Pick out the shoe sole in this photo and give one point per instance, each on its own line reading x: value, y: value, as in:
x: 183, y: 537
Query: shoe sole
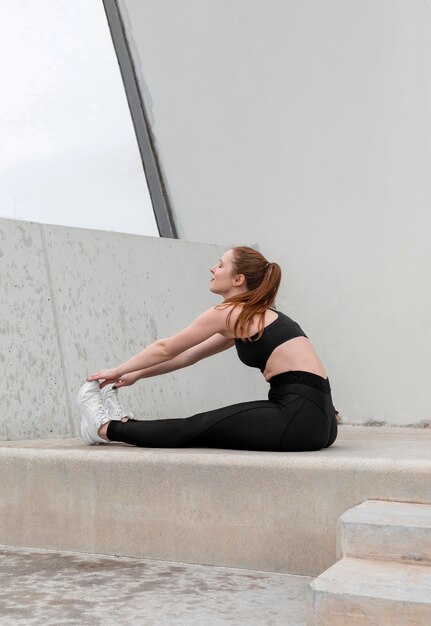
x: 84, y: 426
x: 85, y: 436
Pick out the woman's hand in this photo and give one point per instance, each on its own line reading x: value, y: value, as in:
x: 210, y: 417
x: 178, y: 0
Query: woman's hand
x: 108, y: 377
x: 126, y: 380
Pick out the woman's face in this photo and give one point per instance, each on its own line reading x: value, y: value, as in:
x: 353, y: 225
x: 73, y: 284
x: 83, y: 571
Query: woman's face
x: 224, y: 281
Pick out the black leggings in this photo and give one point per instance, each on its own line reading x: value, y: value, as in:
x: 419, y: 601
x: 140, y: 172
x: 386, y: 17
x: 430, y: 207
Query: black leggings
x: 299, y: 415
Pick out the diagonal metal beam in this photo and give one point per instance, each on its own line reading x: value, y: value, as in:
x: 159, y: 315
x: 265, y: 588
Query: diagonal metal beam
x: 159, y: 197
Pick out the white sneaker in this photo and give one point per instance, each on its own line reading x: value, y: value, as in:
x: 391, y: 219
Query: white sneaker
x: 111, y: 401
x: 92, y: 411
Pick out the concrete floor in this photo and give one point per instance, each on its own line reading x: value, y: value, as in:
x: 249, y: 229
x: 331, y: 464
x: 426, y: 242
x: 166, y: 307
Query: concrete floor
x: 46, y: 588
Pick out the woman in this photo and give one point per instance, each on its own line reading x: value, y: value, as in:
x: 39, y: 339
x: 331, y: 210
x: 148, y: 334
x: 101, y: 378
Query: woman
x: 299, y: 413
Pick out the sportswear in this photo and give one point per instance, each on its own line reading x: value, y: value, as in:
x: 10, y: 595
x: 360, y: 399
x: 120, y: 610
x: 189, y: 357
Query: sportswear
x: 92, y: 411
x: 113, y: 407
x: 256, y: 352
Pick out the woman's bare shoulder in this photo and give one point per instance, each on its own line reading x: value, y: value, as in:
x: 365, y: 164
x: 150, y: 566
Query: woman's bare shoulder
x: 230, y: 313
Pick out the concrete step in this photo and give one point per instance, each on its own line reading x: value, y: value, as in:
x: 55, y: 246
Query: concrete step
x: 267, y: 511
x: 395, y: 531
x: 360, y: 592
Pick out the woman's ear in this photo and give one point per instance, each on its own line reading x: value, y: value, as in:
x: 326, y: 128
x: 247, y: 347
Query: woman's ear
x: 239, y: 280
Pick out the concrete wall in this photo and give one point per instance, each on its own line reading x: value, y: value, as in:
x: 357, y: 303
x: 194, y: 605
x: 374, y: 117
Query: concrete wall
x: 74, y: 300
x: 304, y: 126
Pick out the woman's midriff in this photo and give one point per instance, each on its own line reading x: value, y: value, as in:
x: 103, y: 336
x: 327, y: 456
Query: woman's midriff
x: 295, y: 354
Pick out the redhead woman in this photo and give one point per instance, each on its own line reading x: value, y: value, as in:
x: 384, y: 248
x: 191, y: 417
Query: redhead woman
x: 299, y: 413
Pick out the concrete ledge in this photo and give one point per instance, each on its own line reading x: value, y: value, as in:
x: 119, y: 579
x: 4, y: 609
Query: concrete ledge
x: 253, y: 510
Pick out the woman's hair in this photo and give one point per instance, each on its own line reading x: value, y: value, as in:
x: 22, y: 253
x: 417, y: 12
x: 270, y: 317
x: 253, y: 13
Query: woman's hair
x: 262, y: 281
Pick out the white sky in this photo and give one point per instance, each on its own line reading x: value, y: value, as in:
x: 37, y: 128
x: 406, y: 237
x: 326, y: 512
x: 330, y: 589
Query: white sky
x: 68, y: 153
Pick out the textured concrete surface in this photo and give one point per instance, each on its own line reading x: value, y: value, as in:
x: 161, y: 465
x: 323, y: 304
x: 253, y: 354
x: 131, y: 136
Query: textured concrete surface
x: 32, y: 386
x: 253, y: 510
x: 383, y: 576
x: 75, y: 300
x: 395, y: 531
x: 358, y: 592
x: 40, y: 588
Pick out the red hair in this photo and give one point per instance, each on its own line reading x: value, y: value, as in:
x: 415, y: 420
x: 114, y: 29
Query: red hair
x: 262, y: 281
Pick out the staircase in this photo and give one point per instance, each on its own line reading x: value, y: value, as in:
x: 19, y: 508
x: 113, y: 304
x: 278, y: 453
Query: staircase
x: 383, y: 575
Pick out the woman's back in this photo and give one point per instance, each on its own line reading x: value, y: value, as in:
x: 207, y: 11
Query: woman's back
x: 282, y: 347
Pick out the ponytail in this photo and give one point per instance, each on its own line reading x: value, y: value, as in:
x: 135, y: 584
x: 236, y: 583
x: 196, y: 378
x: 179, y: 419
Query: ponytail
x: 262, y: 280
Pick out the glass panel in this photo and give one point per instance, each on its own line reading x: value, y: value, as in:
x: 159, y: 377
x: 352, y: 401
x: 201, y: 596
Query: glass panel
x: 68, y: 152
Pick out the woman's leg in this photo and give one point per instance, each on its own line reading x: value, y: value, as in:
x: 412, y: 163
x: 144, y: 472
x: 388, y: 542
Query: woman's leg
x: 257, y: 425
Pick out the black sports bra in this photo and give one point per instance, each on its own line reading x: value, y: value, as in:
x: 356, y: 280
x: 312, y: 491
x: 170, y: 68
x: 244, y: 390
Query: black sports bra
x: 256, y: 353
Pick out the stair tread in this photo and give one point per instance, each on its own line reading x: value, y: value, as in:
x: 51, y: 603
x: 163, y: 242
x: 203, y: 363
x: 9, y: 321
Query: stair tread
x: 385, y: 513
x: 403, y: 582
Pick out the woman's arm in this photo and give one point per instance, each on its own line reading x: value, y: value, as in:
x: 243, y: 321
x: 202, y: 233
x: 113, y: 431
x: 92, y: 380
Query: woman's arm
x: 207, y: 348
x: 209, y: 323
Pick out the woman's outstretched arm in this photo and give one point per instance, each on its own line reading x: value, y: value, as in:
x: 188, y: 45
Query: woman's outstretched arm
x: 209, y: 323
x: 207, y: 348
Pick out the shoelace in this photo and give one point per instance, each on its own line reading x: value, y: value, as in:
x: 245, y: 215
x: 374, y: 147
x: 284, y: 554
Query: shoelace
x: 100, y: 409
x: 117, y: 409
